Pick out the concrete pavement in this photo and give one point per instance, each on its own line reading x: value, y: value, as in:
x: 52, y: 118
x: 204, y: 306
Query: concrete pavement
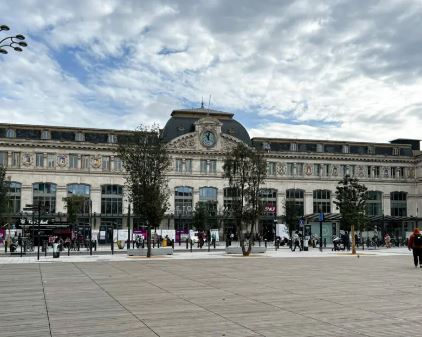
x: 329, y: 295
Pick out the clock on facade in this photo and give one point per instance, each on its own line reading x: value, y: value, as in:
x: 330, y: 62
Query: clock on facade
x: 208, y: 138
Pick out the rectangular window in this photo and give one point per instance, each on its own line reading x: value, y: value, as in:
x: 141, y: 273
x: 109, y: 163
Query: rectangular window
x: 179, y: 165
x: 51, y: 160
x: 401, y: 172
x: 212, y: 166
x: 208, y: 166
x: 299, y: 169
x: 112, y: 139
x: 376, y: 171
x: 271, y: 168
x: 117, y: 164
x: 393, y: 172
x: 3, y: 158
x: 39, y: 159
x: 85, y: 162
x: 45, y: 134
x: 106, y: 163
x: 204, y: 166
x: 16, y: 159
x: 320, y: 148
x: 73, y: 161
x: 345, y: 148
x: 290, y: 169
x: 79, y: 137
x: 183, y: 165
x: 317, y: 170
x: 293, y: 147
x: 326, y: 170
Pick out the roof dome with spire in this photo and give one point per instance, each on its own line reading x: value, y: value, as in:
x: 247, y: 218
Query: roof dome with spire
x: 182, y: 122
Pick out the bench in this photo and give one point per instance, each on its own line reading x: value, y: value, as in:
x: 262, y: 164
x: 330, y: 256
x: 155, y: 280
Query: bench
x: 238, y: 250
x: 154, y: 251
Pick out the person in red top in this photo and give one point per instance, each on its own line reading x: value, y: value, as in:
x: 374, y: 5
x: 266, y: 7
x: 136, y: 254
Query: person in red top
x: 415, y: 243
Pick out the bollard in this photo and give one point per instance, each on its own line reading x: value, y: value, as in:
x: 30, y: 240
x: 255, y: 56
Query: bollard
x: 21, y: 250
x: 325, y: 242
x: 112, y: 247
x: 265, y: 241
x: 5, y: 246
x: 172, y: 243
x: 214, y: 242
x: 68, y: 250
x: 45, y: 249
x: 191, y: 244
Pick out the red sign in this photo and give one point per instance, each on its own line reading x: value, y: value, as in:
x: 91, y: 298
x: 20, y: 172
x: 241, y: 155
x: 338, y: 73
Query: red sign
x: 270, y: 209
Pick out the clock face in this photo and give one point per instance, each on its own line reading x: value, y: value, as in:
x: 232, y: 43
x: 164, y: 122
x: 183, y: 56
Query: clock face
x: 208, y: 138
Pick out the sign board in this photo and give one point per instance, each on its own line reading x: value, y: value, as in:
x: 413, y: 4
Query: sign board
x: 321, y: 216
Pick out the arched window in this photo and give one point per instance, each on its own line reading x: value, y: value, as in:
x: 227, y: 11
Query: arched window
x: 295, y: 201
x: 268, y: 197
x: 231, y: 196
x: 81, y: 190
x: 322, y: 201
x: 374, y: 203
x: 14, y: 196
x: 111, y: 199
x: 207, y: 194
x: 45, y: 193
x: 183, y: 200
x: 398, y: 203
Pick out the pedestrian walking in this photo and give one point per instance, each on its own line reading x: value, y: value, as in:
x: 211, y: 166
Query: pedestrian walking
x: 296, y: 241
x: 387, y: 240
x: 415, y: 244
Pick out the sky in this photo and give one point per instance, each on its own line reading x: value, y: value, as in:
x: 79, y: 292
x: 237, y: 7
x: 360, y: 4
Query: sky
x: 335, y: 70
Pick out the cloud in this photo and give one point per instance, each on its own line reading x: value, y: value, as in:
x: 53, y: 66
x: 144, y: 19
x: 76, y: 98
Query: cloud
x: 301, y: 69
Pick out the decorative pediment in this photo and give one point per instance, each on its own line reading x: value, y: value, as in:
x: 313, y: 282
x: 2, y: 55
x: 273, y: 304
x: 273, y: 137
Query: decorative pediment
x: 185, y: 142
x: 228, y: 142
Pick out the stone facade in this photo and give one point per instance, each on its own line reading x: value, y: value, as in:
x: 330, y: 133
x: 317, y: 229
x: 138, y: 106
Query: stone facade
x: 197, y: 157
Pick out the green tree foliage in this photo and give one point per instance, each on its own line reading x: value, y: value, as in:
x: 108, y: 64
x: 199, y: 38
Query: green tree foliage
x: 146, y: 160
x: 74, y: 204
x: 351, y: 201
x: 245, y: 168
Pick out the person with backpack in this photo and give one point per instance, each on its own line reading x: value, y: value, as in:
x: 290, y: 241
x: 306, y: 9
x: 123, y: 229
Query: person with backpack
x: 415, y: 243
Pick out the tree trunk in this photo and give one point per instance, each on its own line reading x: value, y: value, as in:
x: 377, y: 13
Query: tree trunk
x: 149, y: 241
x: 353, y: 240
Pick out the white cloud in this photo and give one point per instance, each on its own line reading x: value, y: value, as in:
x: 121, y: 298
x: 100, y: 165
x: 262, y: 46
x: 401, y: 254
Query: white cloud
x: 302, y: 69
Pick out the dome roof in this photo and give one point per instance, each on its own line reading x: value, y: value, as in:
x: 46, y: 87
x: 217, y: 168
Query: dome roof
x: 182, y: 122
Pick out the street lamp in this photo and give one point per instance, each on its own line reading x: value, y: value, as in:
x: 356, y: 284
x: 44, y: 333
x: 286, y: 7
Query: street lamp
x: 14, y: 42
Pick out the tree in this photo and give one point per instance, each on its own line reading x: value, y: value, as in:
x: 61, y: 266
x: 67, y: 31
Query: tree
x: 74, y: 205
x: 145, y: 160
x: 351, y: 201
x: 245, y: 168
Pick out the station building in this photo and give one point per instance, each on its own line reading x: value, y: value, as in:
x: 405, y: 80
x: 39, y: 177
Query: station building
x: 48, y: 163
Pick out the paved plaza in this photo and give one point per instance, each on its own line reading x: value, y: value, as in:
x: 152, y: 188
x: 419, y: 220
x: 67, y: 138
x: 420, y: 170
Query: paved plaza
x: 337, y: 295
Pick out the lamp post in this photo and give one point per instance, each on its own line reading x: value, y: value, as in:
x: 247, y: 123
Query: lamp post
x: 128, y: 227
x: 321, y: 219
x: 90, y: 227
x: 14, y: 42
